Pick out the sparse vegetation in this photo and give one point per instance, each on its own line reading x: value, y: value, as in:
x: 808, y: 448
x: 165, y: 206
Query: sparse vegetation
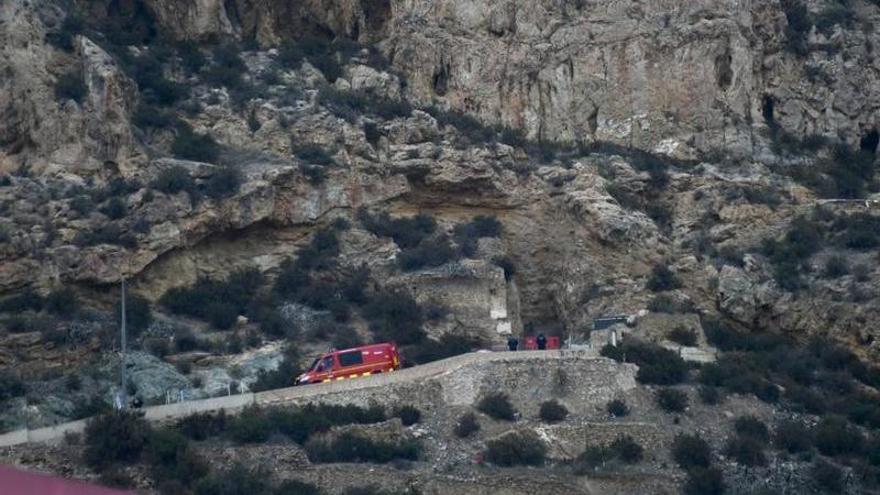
x: 115, y: 437
x: 793, y: 437
x: 349, y: 447
x: 467, y: 425
x: 656, y: 365
x: 497, y: 405
x: 521, y: 448
x: 173, y: 180
x: 683, y: 336
x: 190, y: 145
x: 617, y: 408
x: 662, y: 279
x: 671, y: 400
x: 553, y: 412
x: 691, y: 451
x: 627, y: 449
x: 70, y: 86
x: 408, y: 415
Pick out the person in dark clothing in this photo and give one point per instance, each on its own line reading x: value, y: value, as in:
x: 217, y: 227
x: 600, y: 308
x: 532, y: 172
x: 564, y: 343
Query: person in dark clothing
x: 512, y: 343
x: 541, y: 341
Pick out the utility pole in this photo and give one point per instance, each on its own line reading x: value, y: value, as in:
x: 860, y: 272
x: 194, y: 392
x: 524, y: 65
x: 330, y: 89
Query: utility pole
x: 123, y: 344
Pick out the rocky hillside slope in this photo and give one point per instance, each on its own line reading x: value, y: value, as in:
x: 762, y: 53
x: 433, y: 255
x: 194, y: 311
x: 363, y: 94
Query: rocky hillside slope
x: 275, y: 177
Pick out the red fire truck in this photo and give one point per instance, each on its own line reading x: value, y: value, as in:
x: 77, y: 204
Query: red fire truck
x: 350, y: 363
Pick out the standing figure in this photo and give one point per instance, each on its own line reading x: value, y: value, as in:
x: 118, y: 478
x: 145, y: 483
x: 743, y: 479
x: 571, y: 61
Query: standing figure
x: 541, y: 341
x: 512, y: 343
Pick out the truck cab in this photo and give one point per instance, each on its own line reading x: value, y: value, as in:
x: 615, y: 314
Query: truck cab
x: 351, y: 363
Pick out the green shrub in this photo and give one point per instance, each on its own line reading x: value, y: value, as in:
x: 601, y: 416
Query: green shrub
x: 11, y: 385
x: 522, y: 448
x: 429, y: 253
x: 662, y: 279
x: 119, y: 436
x: 553, y: 412
x: 656, y: 365
x: 349, y: 447
x: 223, y: 183
x: 746, y: 450
x: 70, y: 86
x: 691, y: 451
x: 227, y: 67
x: 591, y: 459
x: 295, y: 487
x: 627, y: 449
x: 752, y: 427
x: 171, y: 457
x: 467, y: 425
x: 82, y: 204
x: 704, y: 481
x: 221, y: 316
x: 314, y: 154
x: 237, y: 480
x: 408, y: 415
x: 497, y: 405
x: 835, y: 267
x: 250, y: 426
x: 709, y: 395
x: 671, y: 400
x: 683, y: 336
x: 617, y: 408
x: 834, y: 436
x: 827, y: 476
x: 148, y: 116
x: 395, y: 316
x: 793, y: 437
x: 26, y: 299
x: 407, y: 232
x: 190, y: 145
x: 201, y: 426
x: 62, y: 302
x: 467, y: 234
x: 138, y: 313
x: 173, y: 180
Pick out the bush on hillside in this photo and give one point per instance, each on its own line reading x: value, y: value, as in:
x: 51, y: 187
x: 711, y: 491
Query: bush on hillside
x: 223, y: 183
x: 138, y: 313
x: 190, y: 145
x: 349, y: 447
x: 171, y: 458
x: 252, y: 425
x: 62, y: 302
x: 793, y: 437
x: 746, y: 450
x: 467, y: 234
x: 662, y: 279
x: 683, y: 336
x: 592, y: 459
x: 497, y: 405
x: 70, y: 86
x: 429, y: 253
x: 522, y: 448
x: 408, y: 415
x: 827, y: 476
x: 752, y: 427
x: 395, y: 316
x: 467, y: 425
x: 835, y: 436
x: 237, y: 480
x: 173, y: 180
x: 11, y: 385
x: 119, y: 436
x: 709, y: 395
x: 448, y: 345
x: 691, y: 451
x: 656, y: 365
x: 553, y: 412
x: 617, y: 408
x: 671, y: 400
x: 627, y: 449
x: 703, y: 481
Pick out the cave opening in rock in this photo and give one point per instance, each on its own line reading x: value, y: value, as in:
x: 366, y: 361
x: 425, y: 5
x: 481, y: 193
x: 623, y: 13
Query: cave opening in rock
x: 768, y: 110
x: 870, y: 141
